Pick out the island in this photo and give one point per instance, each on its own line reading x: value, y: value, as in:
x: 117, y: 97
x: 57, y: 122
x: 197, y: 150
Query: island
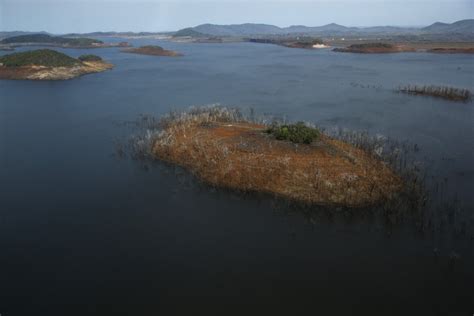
x: 57, y: 41
x: 291, y: 42
x: 152, y: 50
x: 291, y: 161
x: 47, y: 64
x: 375, y: 48
x: 452, y: 50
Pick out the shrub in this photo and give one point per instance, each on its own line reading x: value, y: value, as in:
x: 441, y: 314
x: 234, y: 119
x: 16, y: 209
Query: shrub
x: 89, y: 58
x: 297, y: 133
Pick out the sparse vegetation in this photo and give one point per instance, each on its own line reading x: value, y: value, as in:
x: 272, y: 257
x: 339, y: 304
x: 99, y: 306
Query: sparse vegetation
x: 227, y: 149
x: 449, y: 93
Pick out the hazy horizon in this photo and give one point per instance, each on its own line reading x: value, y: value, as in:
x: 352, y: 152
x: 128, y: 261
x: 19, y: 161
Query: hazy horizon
x: 81, y: 16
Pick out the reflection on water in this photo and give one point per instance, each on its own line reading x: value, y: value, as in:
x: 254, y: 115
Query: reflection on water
x: 80, y: 227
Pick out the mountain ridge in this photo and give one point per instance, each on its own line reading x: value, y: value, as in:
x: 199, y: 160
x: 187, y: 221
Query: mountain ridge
x: 251, y: 29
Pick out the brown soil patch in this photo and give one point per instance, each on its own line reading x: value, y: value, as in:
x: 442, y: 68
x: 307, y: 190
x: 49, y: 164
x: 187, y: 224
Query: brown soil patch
x: 242, y: 156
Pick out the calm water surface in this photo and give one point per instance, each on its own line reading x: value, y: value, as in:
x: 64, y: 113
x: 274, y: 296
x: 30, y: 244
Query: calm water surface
x: 84, y: 232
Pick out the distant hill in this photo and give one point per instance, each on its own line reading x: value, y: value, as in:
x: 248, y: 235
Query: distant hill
x: 17, y: 33
x: 459, y: 27
x: 237, y: 29
x: 333, y: 29
x: 389, y: 30
x: 48, y: 39
x: 113, y: 34
x: 250, y: 29
x: 336, y: 29
x: 189, y: 32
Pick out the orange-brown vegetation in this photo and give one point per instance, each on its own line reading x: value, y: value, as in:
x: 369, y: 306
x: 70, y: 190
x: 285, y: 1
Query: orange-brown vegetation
x: 239, y: 154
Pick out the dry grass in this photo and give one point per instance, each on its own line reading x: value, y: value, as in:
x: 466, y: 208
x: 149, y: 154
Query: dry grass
x: 225, y: 149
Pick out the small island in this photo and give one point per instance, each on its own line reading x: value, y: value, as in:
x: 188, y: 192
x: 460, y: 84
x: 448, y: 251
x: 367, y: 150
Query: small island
x: 452, y: 50
x: 375, y: 48
x: 292, y: 42
x: 292, y: 161
x: 56, y: 41
x: 152, y: 50
x: 47, y: 64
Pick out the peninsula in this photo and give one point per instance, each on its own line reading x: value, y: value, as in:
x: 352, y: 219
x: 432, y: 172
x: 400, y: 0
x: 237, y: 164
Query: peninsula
x: 47, y: 64
x: 152, y: 50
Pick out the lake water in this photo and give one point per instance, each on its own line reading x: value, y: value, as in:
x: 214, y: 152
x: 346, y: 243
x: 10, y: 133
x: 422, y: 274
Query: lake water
x: 85, y: 232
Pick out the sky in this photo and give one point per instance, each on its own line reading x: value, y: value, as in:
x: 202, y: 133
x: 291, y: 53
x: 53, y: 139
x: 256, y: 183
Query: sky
x: 66, y: 16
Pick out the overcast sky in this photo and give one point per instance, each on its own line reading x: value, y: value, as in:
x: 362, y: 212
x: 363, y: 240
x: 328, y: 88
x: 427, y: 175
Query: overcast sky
x: 64, y: 16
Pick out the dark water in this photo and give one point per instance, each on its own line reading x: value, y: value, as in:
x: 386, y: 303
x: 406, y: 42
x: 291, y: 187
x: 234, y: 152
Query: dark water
x: 84, y: 232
